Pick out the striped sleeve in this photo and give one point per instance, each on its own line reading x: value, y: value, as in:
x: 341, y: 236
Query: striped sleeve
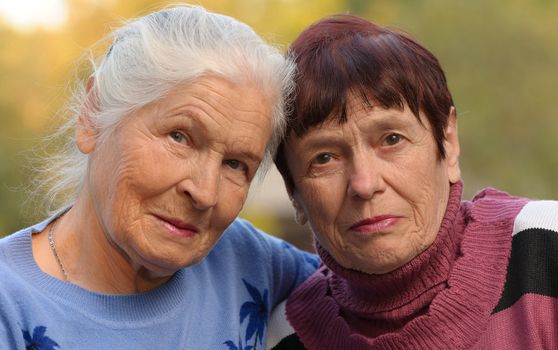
x: 533, y: 264
x: 538, y: 215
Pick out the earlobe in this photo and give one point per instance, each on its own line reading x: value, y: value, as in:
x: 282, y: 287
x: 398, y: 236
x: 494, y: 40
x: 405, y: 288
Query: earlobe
x: 452, y: 148
x: 86, y: 133
x: 300, y: 216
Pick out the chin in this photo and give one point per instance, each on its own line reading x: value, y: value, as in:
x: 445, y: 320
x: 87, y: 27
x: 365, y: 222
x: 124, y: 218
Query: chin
x: 167, y: 266
x: 378, y: 268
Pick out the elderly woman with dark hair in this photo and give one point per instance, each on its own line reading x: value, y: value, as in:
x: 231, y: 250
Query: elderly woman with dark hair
x: 371, y: 161
x: 146, y: 251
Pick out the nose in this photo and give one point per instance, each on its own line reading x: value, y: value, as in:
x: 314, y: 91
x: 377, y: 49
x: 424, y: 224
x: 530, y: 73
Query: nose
x: 365, y: 179
x: 202, y: 184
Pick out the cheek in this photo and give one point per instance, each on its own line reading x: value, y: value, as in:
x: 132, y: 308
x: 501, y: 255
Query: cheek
x: 234, y: 201
x: 428, y: 196
x: 150, y: 171
x: 420, y: 180
x: 126, y: 182
x: 323, y: 201
x: 134, y: 180
x: 231, y: 201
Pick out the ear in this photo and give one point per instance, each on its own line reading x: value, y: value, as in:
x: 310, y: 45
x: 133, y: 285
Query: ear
x: 86, y: 133
x: 452, y: 149
x: 300, y: 215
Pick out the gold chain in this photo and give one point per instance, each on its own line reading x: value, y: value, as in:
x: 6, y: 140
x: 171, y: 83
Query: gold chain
x: 55, y: 252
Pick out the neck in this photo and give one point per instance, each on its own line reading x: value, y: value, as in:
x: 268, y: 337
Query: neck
x: 91, y: 260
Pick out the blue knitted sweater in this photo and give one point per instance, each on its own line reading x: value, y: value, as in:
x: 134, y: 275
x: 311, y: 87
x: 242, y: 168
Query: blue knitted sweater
x: 223, y: 302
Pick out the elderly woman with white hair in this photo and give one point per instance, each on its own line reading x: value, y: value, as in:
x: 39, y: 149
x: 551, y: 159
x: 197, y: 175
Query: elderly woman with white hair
x: 146, y: 250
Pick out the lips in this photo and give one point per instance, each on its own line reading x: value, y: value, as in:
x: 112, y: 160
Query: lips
x: 374, y: 225
x: 178, y: 227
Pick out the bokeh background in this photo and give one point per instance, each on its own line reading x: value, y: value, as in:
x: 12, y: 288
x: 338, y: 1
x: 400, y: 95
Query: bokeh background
x: 501, y: 60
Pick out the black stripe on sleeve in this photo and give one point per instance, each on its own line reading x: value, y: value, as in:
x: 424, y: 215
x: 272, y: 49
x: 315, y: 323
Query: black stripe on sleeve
x: 533, y: 266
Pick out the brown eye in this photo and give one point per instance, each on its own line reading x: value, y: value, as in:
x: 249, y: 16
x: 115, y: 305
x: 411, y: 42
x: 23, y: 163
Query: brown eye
x: 323, y: 158
x: 392, y: 139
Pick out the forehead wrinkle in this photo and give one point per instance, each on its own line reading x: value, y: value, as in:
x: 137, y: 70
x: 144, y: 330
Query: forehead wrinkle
x: 359, y: 102
x: 224, y: 109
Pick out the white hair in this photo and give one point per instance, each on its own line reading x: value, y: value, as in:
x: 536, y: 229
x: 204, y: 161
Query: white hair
x: 149, y: 56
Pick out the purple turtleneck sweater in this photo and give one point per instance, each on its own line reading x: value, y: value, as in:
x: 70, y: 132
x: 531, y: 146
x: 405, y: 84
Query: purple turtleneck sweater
x: 445, y: 298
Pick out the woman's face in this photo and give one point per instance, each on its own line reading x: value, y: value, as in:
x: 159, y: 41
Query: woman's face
x: 373, y: 189
x: 174, y: 174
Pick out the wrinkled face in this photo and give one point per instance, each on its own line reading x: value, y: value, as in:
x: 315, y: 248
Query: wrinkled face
x: 373, y: 189
x: 174, y: 174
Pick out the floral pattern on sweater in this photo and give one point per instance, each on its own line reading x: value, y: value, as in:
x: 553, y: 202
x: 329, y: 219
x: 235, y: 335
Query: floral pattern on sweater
x: 256, y: 311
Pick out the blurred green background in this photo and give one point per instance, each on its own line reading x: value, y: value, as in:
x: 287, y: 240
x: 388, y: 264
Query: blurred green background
x: 501, y: 60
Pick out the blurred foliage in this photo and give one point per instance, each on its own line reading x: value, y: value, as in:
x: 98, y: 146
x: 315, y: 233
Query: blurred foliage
x: 501, y: 60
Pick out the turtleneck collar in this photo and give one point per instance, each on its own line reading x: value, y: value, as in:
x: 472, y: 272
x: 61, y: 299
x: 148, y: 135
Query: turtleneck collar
x: 445, y: 294
x: 405, y: 292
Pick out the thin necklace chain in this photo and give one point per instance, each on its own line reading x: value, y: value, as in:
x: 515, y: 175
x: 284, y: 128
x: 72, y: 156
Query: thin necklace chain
x: 55, y: 252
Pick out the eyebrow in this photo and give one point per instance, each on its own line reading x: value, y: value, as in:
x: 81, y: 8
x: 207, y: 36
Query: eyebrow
x: 195, y: 116
x: 189, y: 113
x: 316, y: 142
x: 324, y: 139
x: 251, y: 156
x: 192, y: 116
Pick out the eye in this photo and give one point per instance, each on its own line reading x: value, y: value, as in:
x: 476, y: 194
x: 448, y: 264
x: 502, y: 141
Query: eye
x: 392, y: 139
x: 179, y: 137
x: 322, y: 158
x: 235, y: 164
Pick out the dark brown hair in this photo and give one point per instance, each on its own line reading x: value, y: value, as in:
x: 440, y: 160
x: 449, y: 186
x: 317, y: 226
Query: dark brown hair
x: 344, y: 54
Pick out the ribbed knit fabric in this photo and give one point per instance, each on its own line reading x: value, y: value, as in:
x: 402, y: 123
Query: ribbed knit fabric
x: 441, y: 299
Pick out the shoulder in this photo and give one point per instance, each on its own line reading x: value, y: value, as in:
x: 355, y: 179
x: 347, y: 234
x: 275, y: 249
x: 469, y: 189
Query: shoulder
x: 492, y: 206
x: 247, y: 251
x: 533, y: 264
x: 14, y: 291
x: 535, y: 238
x: 539, y: 216
x: 16, y: 259
x: 14, y: 246
x: 18, y: 269
x: 281, y: 335
x: 21, y: 240
x: 17, y: 297
x: 243, y: 232
x: 245, y: 237
x: 242, y: 239
x: 11, y: 282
